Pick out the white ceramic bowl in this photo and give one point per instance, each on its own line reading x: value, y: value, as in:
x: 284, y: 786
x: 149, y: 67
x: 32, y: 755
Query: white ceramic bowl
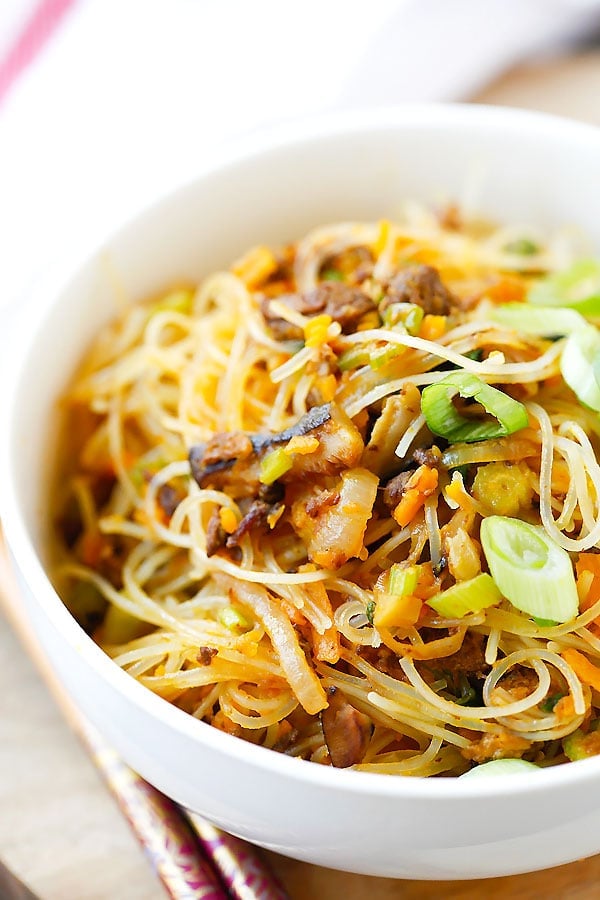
x: 528, y: 168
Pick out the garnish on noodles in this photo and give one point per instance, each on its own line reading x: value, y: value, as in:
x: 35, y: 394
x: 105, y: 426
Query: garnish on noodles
x: 343, y: 500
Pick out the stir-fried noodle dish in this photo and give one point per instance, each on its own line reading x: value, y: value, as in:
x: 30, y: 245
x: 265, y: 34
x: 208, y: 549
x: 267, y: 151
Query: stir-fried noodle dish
x: 343, y: 499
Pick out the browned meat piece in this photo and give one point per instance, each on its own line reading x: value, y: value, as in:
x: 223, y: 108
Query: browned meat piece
x: 420, y: 284
x: 520, y: 682
x: 215, y: 536
x: 225, y: 446
x: 384, y: 660
x: 168, y: 499
x: 346, y: 305
x: 496, y: 746
x: 343, y: 303
x: 468, y: 661
x: 392, y: 494
x: 255, y: 518
x: 432, y: 457
x: 205, y: 655
x: 346, y: 730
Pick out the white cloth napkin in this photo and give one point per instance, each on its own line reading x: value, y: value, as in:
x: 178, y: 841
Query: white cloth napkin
x: 129, y: 96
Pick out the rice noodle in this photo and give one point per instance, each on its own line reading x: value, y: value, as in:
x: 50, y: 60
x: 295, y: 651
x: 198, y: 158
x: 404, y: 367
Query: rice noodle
x: 252, y: 601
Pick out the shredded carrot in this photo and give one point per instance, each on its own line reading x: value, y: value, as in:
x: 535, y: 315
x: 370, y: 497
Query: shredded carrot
x: 295, y: 616
x: 506, y: 290
x: 302, y: 444
x: 588, y: 579
x: 565, y: 708
x: 432, y: 327
x: 583, y: 668
x: 92, y: 545
x: 392, y: 610
x: 228, y: 519
x: 327, y: 385
x: 423, y: 483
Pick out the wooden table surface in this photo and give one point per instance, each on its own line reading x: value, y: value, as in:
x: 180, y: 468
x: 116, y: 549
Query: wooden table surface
x: 61, y: 832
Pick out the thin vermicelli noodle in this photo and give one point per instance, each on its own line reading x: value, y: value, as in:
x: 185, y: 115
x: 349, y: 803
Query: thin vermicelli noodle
x: 343, y: 500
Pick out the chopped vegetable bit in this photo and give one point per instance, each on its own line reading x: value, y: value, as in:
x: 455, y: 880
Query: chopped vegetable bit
x: 530, y: 569
x: 577, y: 287
x: 255, y: 266
x: 274, y: 465
x: 370, y: 611
x: 580, y: 745
x: 396, y: 610
x: 522, y: 247
x: 504, y: 488
x: 586, y: 671
x: 443, y: 418
x: 302, y: 444
x: 316, y: 330
x: 544, y: 321
x: 228, y: 519
x: 466, y: 597
x: 232, y: 618
x: 502, y: 767
x: 549, y: 703
x: 579, y: 364
x: 332, y: 275
x: 432, y: 327
x: 419, y: 487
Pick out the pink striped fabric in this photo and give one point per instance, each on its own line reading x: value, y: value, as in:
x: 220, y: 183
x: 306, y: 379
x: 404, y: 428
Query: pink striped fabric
x: 36, y: 30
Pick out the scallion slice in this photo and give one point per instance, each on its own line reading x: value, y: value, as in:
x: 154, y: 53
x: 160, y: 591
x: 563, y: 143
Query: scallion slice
x: 502, y: 767
x: 545, y: 321
x: 443, y: 418
x: 530, y: 569
x: 579, y: 363
x: 466, y: 597
x: 577, y: 287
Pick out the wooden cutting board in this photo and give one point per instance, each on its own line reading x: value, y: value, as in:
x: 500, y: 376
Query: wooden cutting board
x: 62, y: 833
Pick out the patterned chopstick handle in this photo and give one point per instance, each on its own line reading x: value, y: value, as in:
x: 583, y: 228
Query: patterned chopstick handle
x: 159, y: 825
x: 240, y: 868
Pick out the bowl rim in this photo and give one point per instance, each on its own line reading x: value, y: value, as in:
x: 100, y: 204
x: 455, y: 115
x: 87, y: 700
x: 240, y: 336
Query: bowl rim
x: 45, y: 295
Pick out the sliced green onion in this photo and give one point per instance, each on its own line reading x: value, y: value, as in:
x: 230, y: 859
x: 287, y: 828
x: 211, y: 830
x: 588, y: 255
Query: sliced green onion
x: 580, y: 745
x: 119, y: 627
x: 403, y: 581
x: 549, y: 703
x: 274, y: 465
x: 353, y: 358
x: 546, y: 321
x: 409, y: 315
x: 530, y: 569
x: 370, y: 611
x: 502, y: 767
x: 579, y: 363
x: 444, y: 419
x: 578, y: 287
x: 521, y: 247
x: 231, y: 618
x: 332, y: 275
x: 384, y: 355
x: 466, y: 597
x: 544, y: 623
